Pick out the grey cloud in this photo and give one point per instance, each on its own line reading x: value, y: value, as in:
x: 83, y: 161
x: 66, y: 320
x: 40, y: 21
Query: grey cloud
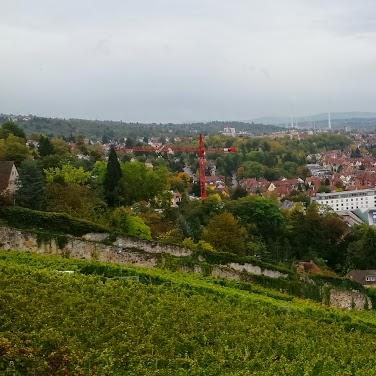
x: 168, y: 60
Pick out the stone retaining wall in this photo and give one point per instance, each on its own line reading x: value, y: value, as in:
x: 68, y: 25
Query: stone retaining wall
x: 349, y: 299
x: 147, y: 254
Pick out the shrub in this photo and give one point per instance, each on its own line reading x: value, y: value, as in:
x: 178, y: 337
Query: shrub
x: 130, y: 224
x: 53, y: 222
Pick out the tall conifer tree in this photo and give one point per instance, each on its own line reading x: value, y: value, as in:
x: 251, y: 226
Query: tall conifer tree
x: 112, y: 179
x: 31, y: 192
x: 45, y: 147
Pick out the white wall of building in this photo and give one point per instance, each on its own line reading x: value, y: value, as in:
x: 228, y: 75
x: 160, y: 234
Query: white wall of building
x: 364, y: 199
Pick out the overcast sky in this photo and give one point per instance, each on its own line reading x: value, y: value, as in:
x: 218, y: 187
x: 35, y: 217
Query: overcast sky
x: 184, y: 60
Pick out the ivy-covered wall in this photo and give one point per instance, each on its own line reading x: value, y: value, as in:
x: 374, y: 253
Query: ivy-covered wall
x: 246, y: 271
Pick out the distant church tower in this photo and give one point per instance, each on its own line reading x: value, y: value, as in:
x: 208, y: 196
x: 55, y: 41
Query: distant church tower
x: 329, y: 122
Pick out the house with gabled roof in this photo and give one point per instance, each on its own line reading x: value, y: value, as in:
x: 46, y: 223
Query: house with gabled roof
x: 253, y: 186
x: 283, y: 187
x: 364, y: 277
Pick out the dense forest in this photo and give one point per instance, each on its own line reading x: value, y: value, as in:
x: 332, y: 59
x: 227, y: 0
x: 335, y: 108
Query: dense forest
x: 97, y: 129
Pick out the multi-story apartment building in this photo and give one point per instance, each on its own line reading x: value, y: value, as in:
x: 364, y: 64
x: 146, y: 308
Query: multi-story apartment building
x: 363, y: 199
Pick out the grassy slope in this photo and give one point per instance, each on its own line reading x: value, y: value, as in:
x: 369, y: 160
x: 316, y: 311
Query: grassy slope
x: 166, y: 324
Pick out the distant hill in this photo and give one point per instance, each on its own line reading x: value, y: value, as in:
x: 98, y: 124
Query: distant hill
x: 96, y: 129
x: 339, y: 117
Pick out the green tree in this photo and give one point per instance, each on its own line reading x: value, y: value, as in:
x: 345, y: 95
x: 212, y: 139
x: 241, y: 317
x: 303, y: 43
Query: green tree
x: 179, y: 182
x: 289, y: 168
x: 112, y: 178
x: 253, y: 169
x: 272, y: 174
x: 130, y: 224
x: 140, y: 183
x: 74, y: 199
x: 31, y: 190
x: 45, y: 146
x: 56, y: 160
x: 314, y: 234
x: 10, y: 127
x: 361, y: 250
x: 238, y: 192
x: 303, y: 172
x: 260, y: 215
x: 224, y: 233
x: 137, y: 227
x: 324, y: 189
x: 67, y: 174
x: 256, y: 156
x: 196, y: 214
x: 130, y: 142
x: 60, y: 147
x: 297, y: 196
x: 13, y: 149
x: 99, y: 172
x: 202, y: 245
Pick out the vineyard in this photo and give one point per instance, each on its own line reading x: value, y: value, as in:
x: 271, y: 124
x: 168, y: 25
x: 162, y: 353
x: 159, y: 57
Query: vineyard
x: 61, y: 316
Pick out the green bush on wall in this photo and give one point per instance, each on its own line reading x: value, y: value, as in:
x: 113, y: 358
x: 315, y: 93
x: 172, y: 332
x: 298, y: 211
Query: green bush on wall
x: 225, y: 257
x: 55, y: 222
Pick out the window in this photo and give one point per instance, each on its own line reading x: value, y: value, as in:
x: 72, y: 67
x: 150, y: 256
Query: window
x: 374, y: 218
x: 370, y: 278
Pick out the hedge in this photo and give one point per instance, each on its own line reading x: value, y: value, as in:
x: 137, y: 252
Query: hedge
x: 225, y: 258
x: 293, y: 285
x: 343, y: 283
x: 55, y: 222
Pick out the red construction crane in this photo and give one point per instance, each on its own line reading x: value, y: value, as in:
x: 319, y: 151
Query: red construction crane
x: 171, y: 149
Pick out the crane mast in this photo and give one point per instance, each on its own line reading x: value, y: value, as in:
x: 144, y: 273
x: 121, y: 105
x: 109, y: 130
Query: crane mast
x: 201, y: 167
x: 200, y: 151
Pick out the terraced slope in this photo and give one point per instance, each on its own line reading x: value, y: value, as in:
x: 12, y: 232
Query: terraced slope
x: 102, y: 319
